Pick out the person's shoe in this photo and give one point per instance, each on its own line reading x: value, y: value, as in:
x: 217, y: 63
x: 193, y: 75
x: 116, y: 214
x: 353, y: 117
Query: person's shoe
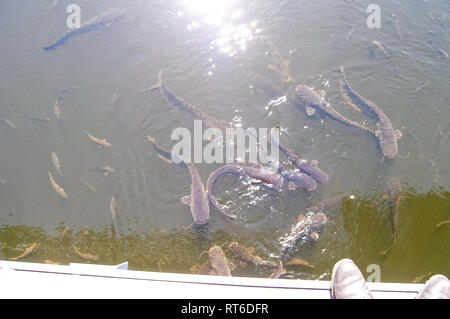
x: 437, y: 287
x: 347, y: 281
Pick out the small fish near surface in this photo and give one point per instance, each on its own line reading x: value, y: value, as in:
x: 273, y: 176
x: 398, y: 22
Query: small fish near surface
x: 56, y: 109
x: 91, y: 188
x: 96, y: 140
x: 9, y: 123
x: 113, y: 207
x: 386, y: 134
x: 198, y: 199
x: 97, y: 22
x: 381, y: 48
x: 57, y: 164
x: 59, y: 190
x: 40, y: 119
x: 26, y: 253
x: 105, y: 170
x: 85, y: 256
x: 112, y: 210
x: 445, y: 222
x: 438, y: 50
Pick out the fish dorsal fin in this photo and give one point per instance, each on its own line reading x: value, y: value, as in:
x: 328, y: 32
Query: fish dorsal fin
x: 186, y: 200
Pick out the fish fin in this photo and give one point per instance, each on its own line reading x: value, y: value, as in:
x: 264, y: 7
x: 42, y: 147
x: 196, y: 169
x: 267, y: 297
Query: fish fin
x: 186, y: 200
x: 378, y: 133
x: 322, y: 94
x: 398, y: 134
x: 165, y: 159
x: 314, y: 236
x: 152, y: 88
x: 440, y: 224
x: 385, y: 252
x: 292, y: 186
x: 310, y: 111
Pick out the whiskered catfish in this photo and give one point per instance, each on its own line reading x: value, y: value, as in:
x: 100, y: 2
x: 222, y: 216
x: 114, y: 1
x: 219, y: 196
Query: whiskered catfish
x: 386, y: 134
x: 198, y: 199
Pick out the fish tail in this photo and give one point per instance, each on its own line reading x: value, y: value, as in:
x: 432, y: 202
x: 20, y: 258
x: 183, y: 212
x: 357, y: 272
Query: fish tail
x: 158, y: 85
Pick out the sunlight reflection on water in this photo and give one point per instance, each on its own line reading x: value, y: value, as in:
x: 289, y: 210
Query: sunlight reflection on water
x: 225, y: 20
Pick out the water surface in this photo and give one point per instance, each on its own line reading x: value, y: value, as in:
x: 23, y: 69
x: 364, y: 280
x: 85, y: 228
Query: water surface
x: 214, y: 55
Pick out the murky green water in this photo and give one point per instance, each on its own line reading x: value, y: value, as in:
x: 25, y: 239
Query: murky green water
x: 212, y: 54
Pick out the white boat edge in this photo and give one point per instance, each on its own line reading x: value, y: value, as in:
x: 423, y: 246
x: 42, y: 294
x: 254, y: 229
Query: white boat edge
x: 34, y: 280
